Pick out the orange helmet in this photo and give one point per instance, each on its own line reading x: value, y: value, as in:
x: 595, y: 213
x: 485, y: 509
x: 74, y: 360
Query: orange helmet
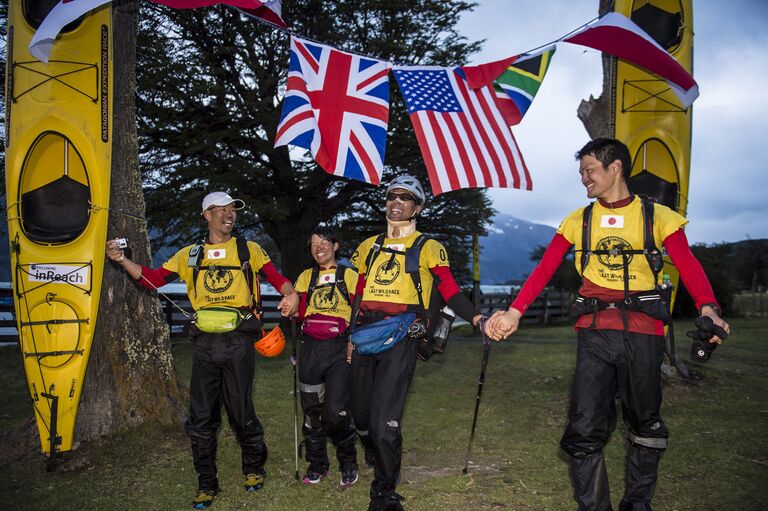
x: 272, y: 344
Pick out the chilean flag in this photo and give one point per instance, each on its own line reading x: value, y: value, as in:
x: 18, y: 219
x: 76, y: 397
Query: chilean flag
x: 618, y: 35
x: 67, y: 11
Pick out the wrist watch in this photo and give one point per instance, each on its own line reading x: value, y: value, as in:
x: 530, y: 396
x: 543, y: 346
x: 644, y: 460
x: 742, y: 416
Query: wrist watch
x: 714, y: 306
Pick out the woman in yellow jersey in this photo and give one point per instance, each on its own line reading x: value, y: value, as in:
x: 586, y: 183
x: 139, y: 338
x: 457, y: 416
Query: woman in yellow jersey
x: 325, y: 309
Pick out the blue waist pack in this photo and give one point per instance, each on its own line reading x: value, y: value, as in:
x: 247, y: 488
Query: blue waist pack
x: 383, y: 335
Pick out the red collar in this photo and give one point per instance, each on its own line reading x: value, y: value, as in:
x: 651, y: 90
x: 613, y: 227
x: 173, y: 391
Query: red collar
x: 618, y: 204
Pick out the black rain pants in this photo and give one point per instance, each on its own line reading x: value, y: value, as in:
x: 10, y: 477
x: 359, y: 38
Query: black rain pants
x: 222, y: 373
x: 380, y: 385
x: 325, y: 388
x: 611, y: 363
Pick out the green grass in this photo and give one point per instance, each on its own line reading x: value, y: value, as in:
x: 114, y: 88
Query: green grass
x: 717, y: 459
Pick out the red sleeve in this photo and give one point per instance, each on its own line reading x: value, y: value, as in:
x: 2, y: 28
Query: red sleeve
x: 156, y: 277
x: 447, y: 285
x: 543, y: 272
x: 691, y: 272
x: 273, y: 276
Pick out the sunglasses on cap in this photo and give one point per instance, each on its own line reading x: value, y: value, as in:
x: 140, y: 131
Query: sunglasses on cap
x: 402, y: 196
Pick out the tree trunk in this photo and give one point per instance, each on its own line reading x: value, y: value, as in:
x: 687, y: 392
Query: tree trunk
x: 130, y: 378
x: 597, y: 113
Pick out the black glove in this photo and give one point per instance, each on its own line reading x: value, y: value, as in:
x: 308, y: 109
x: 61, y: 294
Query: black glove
x: 701, y: 348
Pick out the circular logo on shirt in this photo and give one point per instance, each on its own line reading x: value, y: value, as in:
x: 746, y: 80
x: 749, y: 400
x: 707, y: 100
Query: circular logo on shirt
x: 386, y: 273
x: 325, y: 299
x: 217, y: 280
x: 614, y: 243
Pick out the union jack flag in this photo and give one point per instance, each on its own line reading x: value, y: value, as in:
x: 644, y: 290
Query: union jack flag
x: 337, y: 106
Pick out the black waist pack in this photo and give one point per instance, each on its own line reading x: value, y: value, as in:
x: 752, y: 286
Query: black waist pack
x: 647, y: 302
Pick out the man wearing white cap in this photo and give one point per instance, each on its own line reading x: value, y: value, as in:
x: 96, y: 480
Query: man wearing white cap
x: 220, y: 274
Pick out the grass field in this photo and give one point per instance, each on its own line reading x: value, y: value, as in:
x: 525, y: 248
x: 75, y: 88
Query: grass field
x: 717, y: 459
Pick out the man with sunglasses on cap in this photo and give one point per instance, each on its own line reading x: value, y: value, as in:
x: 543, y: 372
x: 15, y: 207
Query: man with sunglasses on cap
x: 222, y: 287
x: 386, y: 293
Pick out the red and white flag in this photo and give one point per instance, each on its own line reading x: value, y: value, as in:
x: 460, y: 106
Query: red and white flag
x: 618, y: 35
x: 267, y: 10
x: 463, y: 136
x: 67, y: 11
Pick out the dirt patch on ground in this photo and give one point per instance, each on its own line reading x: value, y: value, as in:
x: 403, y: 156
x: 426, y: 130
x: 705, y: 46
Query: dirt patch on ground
x: 416, y: 469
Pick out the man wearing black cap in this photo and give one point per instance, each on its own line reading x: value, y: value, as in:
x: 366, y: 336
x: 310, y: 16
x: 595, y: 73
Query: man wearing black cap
x: 388, y: 292
x: 223, y: 290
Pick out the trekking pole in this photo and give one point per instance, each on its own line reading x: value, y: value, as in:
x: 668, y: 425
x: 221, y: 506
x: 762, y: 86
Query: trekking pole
x: 480, y: 382
x: 294, y: 363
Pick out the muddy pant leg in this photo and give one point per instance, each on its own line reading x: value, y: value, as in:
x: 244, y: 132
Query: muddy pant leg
x: 590, y: 482
x: 591, y: 418
x: 391, y: 379
x: 238, y: 400
x: 361, y: 386
x: 204, y: 420
x: 641, y: 396
x: 642, y: 469
x: 313, y: 396
x: 337, y: 419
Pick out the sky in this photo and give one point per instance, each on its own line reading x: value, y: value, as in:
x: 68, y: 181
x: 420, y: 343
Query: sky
x: 729, y: 180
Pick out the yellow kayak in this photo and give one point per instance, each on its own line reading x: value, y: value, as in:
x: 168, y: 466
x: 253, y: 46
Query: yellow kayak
x: 58, y: 163
x: 648, y: 117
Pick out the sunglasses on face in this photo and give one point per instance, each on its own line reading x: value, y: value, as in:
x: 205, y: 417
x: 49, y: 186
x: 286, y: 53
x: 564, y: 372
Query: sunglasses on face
x: 402, y: 196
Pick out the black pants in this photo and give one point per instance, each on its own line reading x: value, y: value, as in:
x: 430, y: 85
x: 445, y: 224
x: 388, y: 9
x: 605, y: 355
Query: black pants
x: 380, y: 385
x: 222, y: 373
x: 608, y: 365
x: 324, y: 382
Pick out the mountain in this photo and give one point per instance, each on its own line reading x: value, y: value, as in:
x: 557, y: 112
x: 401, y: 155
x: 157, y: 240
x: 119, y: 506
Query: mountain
x: 505, y: 254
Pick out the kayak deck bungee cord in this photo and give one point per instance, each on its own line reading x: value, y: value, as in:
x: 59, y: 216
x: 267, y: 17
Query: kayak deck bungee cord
x: 58, y: 164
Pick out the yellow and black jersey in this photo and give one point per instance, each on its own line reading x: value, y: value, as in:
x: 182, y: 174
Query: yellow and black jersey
x: 622, y: 229
x: 327, y: 298
x: 387, y: 281
x: 220, y: 281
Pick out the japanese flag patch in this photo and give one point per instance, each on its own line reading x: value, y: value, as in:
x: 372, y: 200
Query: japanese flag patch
x: 328, y: 278
x: 612, y: 221
x: 216, y: 253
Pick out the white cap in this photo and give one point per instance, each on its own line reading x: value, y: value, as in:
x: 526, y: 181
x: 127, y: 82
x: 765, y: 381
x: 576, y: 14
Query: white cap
x: 221, y: 199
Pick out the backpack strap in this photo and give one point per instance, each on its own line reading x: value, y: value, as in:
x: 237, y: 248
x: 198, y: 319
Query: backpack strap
x: 314, y: 276
x: 195, y: 261
x: 244, y: 255
x: 341, y: 284
x: 653, y: 255
x: 586, y: 236
x: 412, y: 259
x: 373, y: 253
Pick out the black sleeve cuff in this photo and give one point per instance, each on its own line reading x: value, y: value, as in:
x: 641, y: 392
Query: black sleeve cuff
x: 463, y: 307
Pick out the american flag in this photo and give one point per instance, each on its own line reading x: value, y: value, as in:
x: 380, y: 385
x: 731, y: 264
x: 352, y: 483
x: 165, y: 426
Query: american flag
x: 462, y: 134
x: 337, y: 106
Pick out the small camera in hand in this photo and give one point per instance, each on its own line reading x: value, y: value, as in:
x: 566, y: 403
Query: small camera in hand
x: 122, y: 243
x: 701, y: 348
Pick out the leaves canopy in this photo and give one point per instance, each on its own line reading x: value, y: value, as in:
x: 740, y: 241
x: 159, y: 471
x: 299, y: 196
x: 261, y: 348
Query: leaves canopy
x: 210, y: 85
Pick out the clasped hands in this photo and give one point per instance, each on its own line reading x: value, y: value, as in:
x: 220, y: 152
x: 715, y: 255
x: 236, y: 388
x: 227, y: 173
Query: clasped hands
x: 502, y: 324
